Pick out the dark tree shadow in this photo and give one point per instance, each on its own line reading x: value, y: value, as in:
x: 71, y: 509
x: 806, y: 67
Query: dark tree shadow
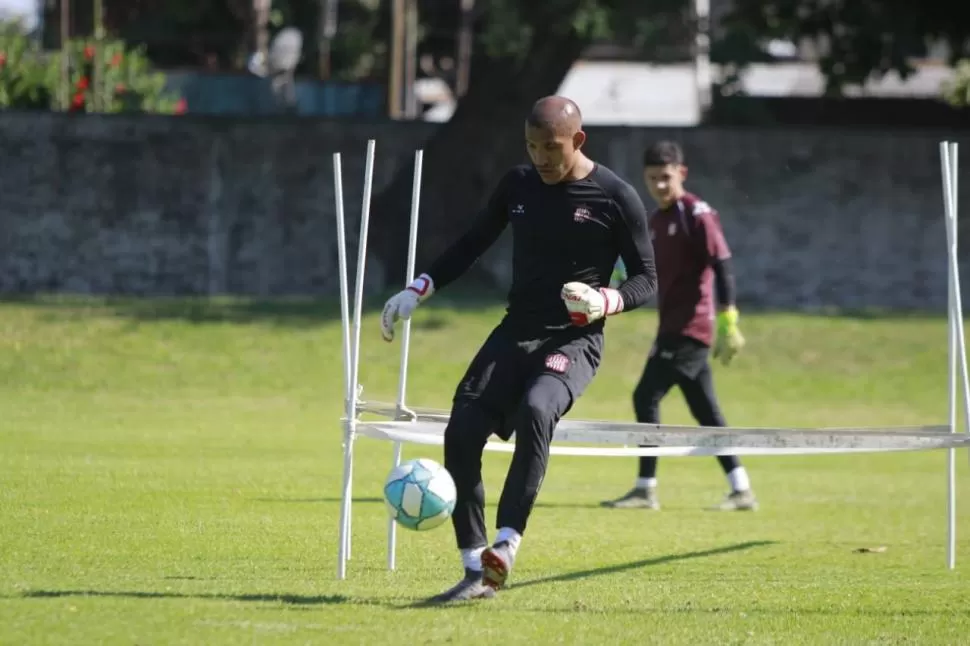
x: 308, y: 311
x: 570, y: 505
x: 634, y: 565
x: 308, y: 601
x: 298, y: 312
x: 613, y: 569
x: 371, y: 500
x: 786, y: 611
x: 291, y: 599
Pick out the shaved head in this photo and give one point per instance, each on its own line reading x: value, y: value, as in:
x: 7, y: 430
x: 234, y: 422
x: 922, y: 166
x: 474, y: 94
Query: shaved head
x: 557, y: 115
x: 553, y: 138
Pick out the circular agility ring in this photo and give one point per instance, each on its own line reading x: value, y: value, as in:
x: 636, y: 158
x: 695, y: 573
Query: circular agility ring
x: 402, y: 424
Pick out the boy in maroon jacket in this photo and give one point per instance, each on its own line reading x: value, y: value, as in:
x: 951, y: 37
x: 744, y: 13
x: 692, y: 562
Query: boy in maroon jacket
x: 693, y: 265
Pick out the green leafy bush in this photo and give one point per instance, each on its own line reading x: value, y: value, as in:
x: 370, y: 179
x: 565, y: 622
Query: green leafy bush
x: 956, y: 92
x: 28, y: 76
x: 102, y: 77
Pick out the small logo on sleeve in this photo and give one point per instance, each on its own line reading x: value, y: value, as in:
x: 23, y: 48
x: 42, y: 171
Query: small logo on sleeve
x: 558, y: 363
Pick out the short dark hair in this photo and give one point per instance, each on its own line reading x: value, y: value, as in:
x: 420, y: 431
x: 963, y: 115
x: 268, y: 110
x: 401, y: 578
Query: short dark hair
x: 662, y: 153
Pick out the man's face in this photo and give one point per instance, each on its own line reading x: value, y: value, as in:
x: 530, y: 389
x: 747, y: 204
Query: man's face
x: 665, y: 183
x: 552, y: 155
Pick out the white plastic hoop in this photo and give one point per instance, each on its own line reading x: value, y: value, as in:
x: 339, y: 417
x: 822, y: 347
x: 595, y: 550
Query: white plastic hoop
x: 419, y: 425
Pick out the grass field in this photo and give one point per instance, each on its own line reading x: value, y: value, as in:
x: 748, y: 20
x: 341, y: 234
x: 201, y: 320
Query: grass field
x: 169, y: 474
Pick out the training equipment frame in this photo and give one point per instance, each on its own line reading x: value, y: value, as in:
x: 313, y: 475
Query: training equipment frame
x: 426, y: 425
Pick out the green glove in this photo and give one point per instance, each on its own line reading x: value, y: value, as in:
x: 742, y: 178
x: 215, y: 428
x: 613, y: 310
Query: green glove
x: 619, y: 274
x: 729, y: 340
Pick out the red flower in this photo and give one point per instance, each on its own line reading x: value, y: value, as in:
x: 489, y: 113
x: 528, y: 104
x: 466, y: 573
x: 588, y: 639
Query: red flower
x: 88, y: 52
x: 115, y: 60
x: 78, y: 102
x: 83, y: 83
x: 120, y: 88
x: 3, y: 59
x: 181, y: 106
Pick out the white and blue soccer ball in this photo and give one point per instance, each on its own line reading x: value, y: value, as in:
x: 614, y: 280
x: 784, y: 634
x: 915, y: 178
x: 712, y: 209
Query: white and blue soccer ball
x: 420, y: 494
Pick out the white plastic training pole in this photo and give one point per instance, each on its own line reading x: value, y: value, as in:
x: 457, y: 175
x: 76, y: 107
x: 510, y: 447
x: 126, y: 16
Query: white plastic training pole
x: 958, y: 290
x: 955, y: 345
x: 349, y: 412
x: 951, y: 353
x: 359, y: 305
x: 353, y: 368
x: 958, y: 309
x: 405, y: 339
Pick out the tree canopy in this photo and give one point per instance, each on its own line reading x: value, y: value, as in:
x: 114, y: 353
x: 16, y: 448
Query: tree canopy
x: 523, y: 49
x: 854, y: 39
x: 857, y: 38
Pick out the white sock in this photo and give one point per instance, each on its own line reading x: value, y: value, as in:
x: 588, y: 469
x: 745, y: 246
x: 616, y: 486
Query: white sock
x: 646, y: 483
x: 738, y: 479
x: 511, y: 536
x: 472, y: 558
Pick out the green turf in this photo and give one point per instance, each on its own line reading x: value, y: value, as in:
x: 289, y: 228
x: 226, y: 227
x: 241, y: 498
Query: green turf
x: 169, y: 474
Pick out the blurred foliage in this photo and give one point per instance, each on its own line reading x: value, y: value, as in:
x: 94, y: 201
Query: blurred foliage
x: 125, y: 81
x: 108, y: 76
x: 957, y: 91
x: 657, y: 30
x: 28, y: 76
x: 856, y: 39
x: 218, y: 35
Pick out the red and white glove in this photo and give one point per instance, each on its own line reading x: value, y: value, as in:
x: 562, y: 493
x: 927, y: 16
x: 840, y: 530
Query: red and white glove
x: 587, y: 304
x: 402, y: 305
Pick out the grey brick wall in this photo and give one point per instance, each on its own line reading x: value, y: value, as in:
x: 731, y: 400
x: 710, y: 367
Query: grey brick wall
x: 149, y: 205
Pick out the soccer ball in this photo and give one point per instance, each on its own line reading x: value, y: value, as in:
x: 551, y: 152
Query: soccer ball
x: 419, y: 494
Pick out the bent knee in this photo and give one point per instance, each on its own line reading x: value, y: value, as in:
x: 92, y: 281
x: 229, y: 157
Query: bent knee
x: 546, y: 402
x: 469, y: 425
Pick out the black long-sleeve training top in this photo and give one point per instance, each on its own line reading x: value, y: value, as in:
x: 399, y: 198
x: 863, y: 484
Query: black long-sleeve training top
x: 572, y: 231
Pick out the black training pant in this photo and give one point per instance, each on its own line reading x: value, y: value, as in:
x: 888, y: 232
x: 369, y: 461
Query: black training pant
x: 680, y: 361
x: 520, y: 385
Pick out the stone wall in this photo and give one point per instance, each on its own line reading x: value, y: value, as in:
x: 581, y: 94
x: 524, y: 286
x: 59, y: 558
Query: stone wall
x: 163, y: 206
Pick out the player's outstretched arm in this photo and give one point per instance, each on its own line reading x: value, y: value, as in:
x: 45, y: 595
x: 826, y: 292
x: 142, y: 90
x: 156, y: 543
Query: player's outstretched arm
x: 451, y: 264
x: 729, y: 340
x: 586, y: 303
x: 636, y: 250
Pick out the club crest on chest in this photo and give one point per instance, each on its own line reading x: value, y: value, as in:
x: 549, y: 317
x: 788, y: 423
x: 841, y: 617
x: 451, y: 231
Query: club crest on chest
x: 582, y: 214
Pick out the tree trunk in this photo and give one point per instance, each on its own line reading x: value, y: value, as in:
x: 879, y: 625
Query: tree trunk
x: 465, y: 158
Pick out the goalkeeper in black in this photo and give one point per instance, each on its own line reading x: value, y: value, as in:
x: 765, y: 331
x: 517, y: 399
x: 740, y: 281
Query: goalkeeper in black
x: 571, y: 219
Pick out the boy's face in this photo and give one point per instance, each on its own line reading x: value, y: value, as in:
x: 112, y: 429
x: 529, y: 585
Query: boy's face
x: 665, y: 183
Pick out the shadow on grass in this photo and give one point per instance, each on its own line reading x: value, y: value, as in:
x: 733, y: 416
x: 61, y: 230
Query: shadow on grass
x: 356, y: 501
x: 295, y: 600
x: 373, y: 500
x: 790, y: 612
x: 568, y: 505
x: 284, y: 312
x: 310, y: 311
x: 616, y: 569
x: 634, y: 565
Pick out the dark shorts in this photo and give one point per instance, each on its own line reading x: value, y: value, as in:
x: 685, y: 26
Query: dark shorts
x: 683, y: 362
x: 507, y: 365
x: 678, y: 355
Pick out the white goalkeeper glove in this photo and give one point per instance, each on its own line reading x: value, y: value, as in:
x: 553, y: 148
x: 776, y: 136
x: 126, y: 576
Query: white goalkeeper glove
x: 403, y: 304
x: 587, y: 304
